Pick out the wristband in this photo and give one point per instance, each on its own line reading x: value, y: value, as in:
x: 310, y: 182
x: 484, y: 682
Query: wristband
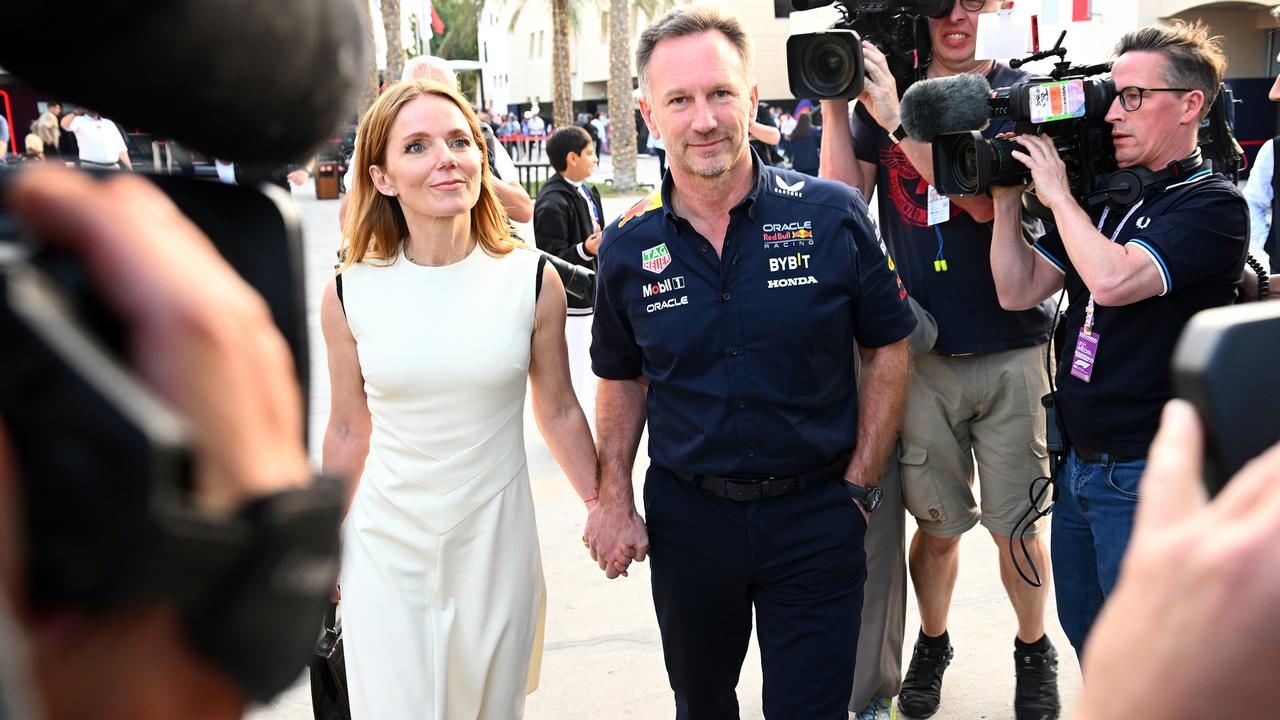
x: 898, y: 135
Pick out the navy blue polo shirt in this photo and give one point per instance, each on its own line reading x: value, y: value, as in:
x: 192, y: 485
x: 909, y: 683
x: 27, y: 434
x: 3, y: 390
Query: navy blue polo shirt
x: 749, y: 355
x: 963, y: 299
x: 1196, y: 231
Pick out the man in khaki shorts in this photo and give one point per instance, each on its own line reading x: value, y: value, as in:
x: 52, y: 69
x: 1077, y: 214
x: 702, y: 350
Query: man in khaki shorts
x: 976, y: 394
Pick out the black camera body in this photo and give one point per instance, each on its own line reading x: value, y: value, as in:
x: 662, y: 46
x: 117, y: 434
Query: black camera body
x: 829, y: 64
x: 1070, y: 106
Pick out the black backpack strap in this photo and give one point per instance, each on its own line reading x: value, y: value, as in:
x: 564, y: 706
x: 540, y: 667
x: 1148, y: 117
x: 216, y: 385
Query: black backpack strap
x: 1273, y: 240
x: 537, y: 287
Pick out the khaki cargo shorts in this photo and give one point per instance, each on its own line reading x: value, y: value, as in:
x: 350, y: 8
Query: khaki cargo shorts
x: 961, y: 408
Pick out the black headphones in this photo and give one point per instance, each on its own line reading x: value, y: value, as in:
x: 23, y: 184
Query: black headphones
x: 1125, y: 187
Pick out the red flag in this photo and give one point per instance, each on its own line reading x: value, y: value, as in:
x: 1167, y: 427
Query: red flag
x: 1081, y: 10
x: 437, y: 23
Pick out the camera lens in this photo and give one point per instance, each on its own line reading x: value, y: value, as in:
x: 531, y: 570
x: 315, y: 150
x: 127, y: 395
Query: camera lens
x: 829, y: 67
x: 957, y: 166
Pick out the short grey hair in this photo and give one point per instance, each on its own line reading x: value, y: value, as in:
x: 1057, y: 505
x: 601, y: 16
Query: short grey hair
x: 684, y: 21
x: 431, y: 68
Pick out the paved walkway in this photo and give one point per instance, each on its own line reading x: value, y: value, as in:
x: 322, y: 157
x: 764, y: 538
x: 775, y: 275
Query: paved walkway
x: 603, y: 659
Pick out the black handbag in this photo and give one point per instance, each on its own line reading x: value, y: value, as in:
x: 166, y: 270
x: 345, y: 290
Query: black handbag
x: 328, y: 670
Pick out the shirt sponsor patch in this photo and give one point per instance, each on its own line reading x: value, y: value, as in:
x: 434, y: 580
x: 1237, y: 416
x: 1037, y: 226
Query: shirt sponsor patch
x: 791, y: 282
x: 662, y: 287
x: 653, y: 202
x: 789, y: 263
x: 656, y: 259
x: 782, y: 187
x: 667, y: 304
x: 789, y: 234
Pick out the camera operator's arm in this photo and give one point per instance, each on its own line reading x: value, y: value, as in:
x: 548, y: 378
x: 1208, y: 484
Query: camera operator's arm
x: 836, y: 159
x: 1023, y: 278
x: 767, y: 134
x: 346, y: 439
x: 507, y: 187
x: 1115, y: 274
x: 880, y: 95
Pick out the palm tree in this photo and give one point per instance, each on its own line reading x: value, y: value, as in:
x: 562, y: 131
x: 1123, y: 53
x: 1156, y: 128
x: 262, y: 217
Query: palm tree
x: 622, y: 117
x: 370, y: 90
x: 395, y: 42
x: 561, y: 77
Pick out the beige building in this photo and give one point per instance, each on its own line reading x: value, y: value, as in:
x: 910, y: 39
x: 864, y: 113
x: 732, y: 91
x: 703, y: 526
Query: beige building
x: 517, y: 56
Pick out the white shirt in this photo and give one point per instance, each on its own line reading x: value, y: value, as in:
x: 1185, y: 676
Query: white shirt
x: 99, y: 139
x: 1258, y: 194
x: 226, y: 171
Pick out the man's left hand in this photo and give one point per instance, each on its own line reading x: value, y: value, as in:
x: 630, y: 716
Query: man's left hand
x: 880, y: 91
x: 298, y: 177
x: 1048, y: 172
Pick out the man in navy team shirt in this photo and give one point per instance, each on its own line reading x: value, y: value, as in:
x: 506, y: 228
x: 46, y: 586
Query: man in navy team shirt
x: 1135, y: 274
x: 729, y: 310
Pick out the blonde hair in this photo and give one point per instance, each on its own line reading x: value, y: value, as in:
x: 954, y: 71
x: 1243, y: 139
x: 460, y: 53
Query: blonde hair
x: 375, y: 226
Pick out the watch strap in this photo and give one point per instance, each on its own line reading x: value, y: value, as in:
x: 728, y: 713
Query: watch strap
x: 259, y: 623
x: 898, y: 135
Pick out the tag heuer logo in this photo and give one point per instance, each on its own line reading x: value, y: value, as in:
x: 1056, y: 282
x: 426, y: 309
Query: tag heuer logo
x: 656, y: 259
x: 792, y: 190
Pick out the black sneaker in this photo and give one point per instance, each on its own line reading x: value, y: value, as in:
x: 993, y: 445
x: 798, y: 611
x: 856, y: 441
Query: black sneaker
x: 1036, y: 697
x: 922, y: 688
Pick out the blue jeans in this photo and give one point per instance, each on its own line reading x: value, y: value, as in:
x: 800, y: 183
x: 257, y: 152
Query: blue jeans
x: 1092, y: 520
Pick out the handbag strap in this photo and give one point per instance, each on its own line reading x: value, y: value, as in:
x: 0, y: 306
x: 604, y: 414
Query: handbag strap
x: 331, y: 616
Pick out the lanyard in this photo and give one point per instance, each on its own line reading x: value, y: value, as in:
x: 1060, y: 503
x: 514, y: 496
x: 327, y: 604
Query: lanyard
x: 1089, y: 309
x: 595, y: 214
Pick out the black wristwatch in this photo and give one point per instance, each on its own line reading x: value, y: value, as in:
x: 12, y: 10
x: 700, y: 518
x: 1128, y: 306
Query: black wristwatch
x: 868, y: 497
x: 898, y: 135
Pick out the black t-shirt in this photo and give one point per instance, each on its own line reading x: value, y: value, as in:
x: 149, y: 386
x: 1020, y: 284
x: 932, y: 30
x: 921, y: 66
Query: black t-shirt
x: 963, y: 298
x: 1196, y: 231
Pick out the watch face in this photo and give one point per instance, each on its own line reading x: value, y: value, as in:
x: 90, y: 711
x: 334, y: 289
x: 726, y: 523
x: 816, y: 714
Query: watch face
x: 874, y: 496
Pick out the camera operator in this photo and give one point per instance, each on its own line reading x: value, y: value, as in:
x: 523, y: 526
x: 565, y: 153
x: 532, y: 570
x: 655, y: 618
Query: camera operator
x: 211, y: 350
x: 1135, y: 275
x: 977, y: 392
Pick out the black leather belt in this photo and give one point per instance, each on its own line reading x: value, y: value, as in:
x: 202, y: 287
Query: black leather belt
x: 1093, y: 456
x: 750, y: 489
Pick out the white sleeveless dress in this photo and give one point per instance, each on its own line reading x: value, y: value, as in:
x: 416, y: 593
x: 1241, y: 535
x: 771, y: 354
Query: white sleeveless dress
x: 442, y: 590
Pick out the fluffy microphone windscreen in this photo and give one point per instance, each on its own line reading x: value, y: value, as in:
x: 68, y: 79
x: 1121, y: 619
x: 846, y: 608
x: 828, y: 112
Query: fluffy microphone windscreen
x: 943, y: 105
x: 243, y: 80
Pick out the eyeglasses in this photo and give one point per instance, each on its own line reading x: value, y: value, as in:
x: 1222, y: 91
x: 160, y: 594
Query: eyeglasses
x: 973, y: 5
x: 1131, y: 96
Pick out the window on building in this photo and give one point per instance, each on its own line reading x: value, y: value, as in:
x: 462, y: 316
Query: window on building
x: 532, y: 39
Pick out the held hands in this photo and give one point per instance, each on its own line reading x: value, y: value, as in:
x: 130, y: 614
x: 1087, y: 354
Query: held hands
x: 880, y: 92
x: 615, y: 536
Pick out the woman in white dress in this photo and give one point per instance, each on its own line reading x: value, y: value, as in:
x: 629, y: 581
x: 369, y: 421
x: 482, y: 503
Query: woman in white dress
x: 434, y: 325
